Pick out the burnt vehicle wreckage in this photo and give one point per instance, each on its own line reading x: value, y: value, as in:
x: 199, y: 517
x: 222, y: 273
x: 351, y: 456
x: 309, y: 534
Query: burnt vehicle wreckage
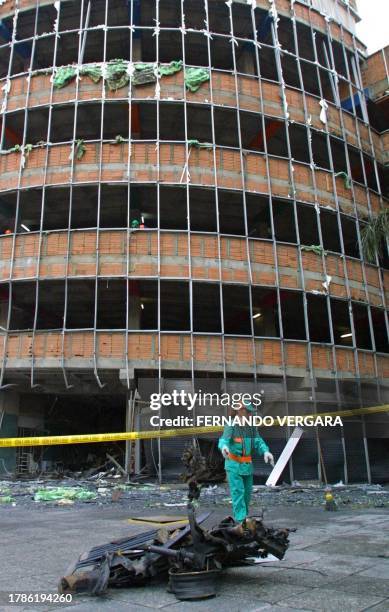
x: 192, y: 557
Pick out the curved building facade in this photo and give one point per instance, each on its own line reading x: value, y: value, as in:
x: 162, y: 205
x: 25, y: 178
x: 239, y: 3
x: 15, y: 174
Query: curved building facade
x: 184, y: 186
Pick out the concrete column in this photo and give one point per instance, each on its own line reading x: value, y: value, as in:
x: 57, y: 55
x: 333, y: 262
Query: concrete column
x: 132, y: 458
x: 9, y: 416
x: 134, y: 311
x: 3, y: 313
x: 127, y: 456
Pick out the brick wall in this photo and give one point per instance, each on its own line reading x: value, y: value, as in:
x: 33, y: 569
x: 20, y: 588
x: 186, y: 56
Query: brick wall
x: 174, y: 248
x: 143, y: 168
x: 241, y: 354
x: 375, y: 75
x: 223, y: 87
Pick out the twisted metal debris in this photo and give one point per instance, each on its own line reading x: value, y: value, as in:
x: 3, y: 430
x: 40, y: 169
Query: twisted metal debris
x: 192, y: 548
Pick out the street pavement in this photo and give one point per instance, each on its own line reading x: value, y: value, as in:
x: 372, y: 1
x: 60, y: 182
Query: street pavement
x: 336, y: 561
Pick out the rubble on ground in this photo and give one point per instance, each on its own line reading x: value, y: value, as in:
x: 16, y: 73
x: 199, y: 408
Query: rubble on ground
x: 111, y: 486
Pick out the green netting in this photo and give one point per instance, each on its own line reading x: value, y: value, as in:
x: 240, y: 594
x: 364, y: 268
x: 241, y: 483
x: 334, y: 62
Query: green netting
x: 199, y: 145
x: 195, y: 77
x: 117, y: 76
x: 143, y: 74
x: 16, y: 149
x: 6, y: 499
x: 347, y: 179
x: 142, y: 66
x: 63, y: 76
x: 93, y: 72
x: 78, y: 150
x: 171, y: 68
x: 64, y: 493
x: 316, y: 248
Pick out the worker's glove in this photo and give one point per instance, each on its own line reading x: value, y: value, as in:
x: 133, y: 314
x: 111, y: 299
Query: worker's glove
x: 268, y: 458
x: 225, y: 452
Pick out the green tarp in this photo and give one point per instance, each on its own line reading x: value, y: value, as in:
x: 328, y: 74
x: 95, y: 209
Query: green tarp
x: 79, y: 149
x: 144, y: 74
x: 316, y: 248
x: 64, y: 493
x: 199, y: 145
x: 347, y: 179
x: 6, y: 500
x: 117, y: 76
x: 142, y: 66
x: 195, y: 77
x: 171, y: 68
x: 92, y: 71
x: 63, y: 76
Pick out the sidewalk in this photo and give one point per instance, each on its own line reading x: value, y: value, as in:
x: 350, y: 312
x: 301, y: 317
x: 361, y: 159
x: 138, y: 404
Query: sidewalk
x: 336, y: 561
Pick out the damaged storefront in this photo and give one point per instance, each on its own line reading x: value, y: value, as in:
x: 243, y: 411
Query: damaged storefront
x: 46, y: 414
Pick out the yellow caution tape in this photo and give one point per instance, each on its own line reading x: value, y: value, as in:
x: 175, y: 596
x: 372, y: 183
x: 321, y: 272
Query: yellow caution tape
x: 110, y: 437
x: 159, y: 433
x: 354, y: 411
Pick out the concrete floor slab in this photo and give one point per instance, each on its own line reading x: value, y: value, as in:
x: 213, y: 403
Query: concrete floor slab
x: 381, y: 607
x: 336, y: 564
x: 222, y: 604
x: 152, y: 595
x: 41, y: 542
x: 379, y: 570
x: 298, y: 557
x: 107, y: 605
x: 363, y: 585
x: 301, y: 576
x: 353, y: 544
x: 251, y: 572
x: 272, y: 592
x: 330, y: 601
x: 277, y: 608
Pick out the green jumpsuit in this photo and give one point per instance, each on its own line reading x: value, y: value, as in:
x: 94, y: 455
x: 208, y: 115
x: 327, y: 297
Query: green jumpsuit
x: 241, y: 441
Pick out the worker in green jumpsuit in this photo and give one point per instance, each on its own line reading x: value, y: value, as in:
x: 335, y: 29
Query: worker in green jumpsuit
x: 237, y: 445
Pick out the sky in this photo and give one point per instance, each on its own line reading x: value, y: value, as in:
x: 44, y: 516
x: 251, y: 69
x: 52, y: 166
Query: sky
x: 373, y: 30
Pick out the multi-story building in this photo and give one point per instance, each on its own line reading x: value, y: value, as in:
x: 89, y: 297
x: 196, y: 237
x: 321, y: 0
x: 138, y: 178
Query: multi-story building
x: 184, y: 185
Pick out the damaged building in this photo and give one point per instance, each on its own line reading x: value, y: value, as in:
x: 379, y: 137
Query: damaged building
x: 186, y: 188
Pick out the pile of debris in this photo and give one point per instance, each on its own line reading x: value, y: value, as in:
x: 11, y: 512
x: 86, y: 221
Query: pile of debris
x: 346, y: 496
x: 107, y: 487
x: 192, y: 557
